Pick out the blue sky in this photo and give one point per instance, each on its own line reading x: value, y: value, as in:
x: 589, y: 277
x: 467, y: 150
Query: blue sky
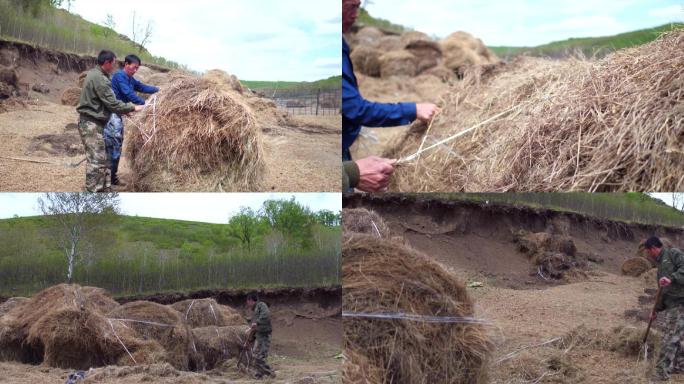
x: 295, y: 40
x: 206, y: 207
x: 528, y: 22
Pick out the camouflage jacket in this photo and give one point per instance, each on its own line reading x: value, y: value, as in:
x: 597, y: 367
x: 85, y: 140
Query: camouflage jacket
x: 262, y: 318
x: 671, y: 265
x: 98, y: 101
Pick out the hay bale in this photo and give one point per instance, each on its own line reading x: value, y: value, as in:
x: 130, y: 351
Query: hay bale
x: 427, y: 52
x: 356, y: 369
x: 398, y: 63
x: 410, y: 37
x: 554, y: 255
x: 368, y: 36
x: 362, y: 220
x: 12, y: 303
x: 217, y: 344
x: 389, y: 43
x: 144, y: 74
x: 441, y: 72
x: 366, y: 59
x: 635, y: 266
x: 161, y: 324
x: 71, y: 96
x: 224, y: 80
x: 407, y: 351
x: 205, y: 139
x: 199, y: 313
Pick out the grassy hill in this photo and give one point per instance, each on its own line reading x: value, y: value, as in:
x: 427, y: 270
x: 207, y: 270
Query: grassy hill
x: 627, y: 207
x: 590, y: 46
x: 145, y: 255
x: 331, y: 82
x: 366, y: 19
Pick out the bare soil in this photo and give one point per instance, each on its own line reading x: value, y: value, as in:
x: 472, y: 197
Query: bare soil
x: 475, y: 242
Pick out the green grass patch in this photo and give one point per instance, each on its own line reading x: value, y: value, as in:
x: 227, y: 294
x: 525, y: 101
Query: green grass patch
x: 331, y: 82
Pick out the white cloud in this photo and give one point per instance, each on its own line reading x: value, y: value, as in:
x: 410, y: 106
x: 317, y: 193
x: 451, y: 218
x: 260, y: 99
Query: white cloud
x: 671, y: 13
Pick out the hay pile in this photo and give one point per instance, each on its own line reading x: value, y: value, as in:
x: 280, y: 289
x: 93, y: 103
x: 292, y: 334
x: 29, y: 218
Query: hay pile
x: 12, y: 303
x: 366, y: 59
x: 71, y: 96
x: 224, y: 80
x: 199, y: 313
x: 217, y: 344
x: 552, y: 255
x: 407, y: 351
x: 462, y: 50
x: 361, y: 220
x: 635, y: 266
x: 610, y: 125
x: 398, y: 63
x: 203, y: 138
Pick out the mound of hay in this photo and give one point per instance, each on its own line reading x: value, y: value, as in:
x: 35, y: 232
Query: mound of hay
x: 461, y: 50
x: 651, y: 276
x: 202, y: 139
x: 368, y: 36
x: 224, y: 80
x: 71, y: 96
x: 12, y: 303
x: 366, y: 60
x: 217, y: 344
x: 427, y: 52
x: 410, y: 37
x: 608, y: 125
x: 357, y: 370
x: 361, y: 220
x: 622, y: 339
x: 635, y: 266
x: 205, y: 312
x: 398, y: 63
x: 553, y: 255
x: 441, y: 72
x: 383, y: 276
x: 161, y: 324
x: 389, y: 43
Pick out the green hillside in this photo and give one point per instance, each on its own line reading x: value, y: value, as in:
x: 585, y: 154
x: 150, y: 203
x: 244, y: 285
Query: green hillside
x: 590, y: 46
x: 331, y: 82
x: 627, y: 207
x: 365, y: 19
x: 138, y: 255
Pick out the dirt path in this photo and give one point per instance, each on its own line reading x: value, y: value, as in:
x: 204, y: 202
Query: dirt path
x: 301, y: 158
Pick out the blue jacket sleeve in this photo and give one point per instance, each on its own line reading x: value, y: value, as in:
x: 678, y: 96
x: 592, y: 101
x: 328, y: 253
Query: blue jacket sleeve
x: 144, y: 88
x: 126, y: 89
x: 369, y: 114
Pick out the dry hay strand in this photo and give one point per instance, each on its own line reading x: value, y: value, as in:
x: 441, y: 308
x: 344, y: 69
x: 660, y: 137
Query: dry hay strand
x: 368, y: 36
x: 362, y: 220
x: 12, y: 303
x: 388, y: 43
x: 427, y: 52
x: 159, y: 323
x: 71, y: 96
x: 217, y: 344
x: 572, y: 125
x: 224, y: 80
x: 366, y: 59
x: 398, y: 63
x: 383, y: 276
x: 206, y: 139
x: 356, y: 369
x: 635, y: 266
x: 199, y: 313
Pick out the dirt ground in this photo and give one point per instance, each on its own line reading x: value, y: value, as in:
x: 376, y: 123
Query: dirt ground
x: 299, y: 158
x: 475, y: 243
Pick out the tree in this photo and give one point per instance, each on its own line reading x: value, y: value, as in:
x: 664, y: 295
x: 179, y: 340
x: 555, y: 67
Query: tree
x: 77, y: 216
x: 678, y: 201
x: 291, y: 219
x: 110, y: 25
x: 245, y: 226
x: 142, y: 36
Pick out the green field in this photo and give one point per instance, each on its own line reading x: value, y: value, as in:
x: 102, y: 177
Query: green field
x: 627, y: 207
x: 331, y: 82
x: 137, y: 255
x: 589, y: 46
x: 366, y: 19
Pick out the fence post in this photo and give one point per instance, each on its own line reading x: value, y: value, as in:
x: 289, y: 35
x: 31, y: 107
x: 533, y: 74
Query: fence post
x: 318, y: 100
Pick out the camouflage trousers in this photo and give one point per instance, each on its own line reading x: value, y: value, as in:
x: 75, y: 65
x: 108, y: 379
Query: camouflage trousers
x: 263, y: 344
x: 98, y: 177
x: 671, y: 358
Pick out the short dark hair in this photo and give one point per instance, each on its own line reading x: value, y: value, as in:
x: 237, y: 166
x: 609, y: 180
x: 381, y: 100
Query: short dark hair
x: 130, y: 59
x: 653, y: 242
x: 253, y: 296
x: 105, y: 56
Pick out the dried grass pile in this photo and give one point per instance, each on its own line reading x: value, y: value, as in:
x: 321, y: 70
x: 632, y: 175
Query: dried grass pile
x: 636, y: 266
x: 201, y: 138
x: 552, y: 255
x: 71, y: 96
x: 384, y: 276
x: 224, y: 80
x: 217, y: 344
x: 611, y: 125
x: 361, y: 220
x: 366, y: 59
x: 651, y: 276
x: 622, y: 339
x: 197, y: 313
x: 356, y: 369
x: 462, y: 50
x: 388, y: 43
x: 398, y: 63
x: 12, y: 303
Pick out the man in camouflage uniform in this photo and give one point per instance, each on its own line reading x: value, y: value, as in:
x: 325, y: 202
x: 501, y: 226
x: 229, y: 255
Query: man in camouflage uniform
x: 670, y: 263
x: 95, y: 107
x: 261, y: 329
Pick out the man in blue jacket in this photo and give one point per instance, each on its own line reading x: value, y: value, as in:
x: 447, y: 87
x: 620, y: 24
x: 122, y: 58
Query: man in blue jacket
x: 356, y: 111
x: 125, y: 87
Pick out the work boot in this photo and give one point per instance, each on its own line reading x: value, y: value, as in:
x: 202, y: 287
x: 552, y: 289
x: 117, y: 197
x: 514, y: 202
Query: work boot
x: 115, y: 177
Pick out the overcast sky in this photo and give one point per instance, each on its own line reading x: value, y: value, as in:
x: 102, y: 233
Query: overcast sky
x: 205, y: 207
x: 528, y: 22
x: 295, y: 40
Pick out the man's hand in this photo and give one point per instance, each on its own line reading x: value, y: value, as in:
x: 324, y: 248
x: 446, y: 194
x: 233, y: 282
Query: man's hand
x: 426, y: 111
x: 664, y: 281
x: 139, y: 108
x: 374, y: 173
